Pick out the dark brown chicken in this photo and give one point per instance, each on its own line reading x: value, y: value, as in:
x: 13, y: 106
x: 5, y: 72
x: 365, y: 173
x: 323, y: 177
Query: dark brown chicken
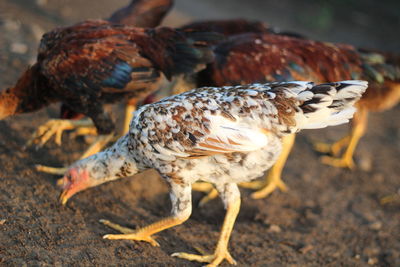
x: 138, y: 13
x: 266, y: 55
x: 95, y: 62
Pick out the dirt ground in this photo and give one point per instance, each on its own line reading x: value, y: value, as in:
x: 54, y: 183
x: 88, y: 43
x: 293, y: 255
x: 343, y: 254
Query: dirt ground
x: 330, y: 217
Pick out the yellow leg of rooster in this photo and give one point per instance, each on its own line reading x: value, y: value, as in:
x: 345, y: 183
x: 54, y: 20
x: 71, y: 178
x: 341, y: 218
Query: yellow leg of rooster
x: 231, y: 197
x: 129, y: 109
x: 359, y: 125
x: 145, y: 233
x: 56, y: 127
x: 333, y: 149
x: 181, y: 196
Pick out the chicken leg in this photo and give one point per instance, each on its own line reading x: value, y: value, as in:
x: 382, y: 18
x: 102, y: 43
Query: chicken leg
x: 231, y: 197
x: 130, y: 107
x: 56, y: 127
x: 181, y: 210
x: 359, y: 125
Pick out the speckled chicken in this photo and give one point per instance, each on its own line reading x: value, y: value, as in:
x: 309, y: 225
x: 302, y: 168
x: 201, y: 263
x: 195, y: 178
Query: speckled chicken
x: 266, y: 55
x: 222, y: 135
x: 95, y: 62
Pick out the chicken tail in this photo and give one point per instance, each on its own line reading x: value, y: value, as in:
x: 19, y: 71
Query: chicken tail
x: 328, y: 104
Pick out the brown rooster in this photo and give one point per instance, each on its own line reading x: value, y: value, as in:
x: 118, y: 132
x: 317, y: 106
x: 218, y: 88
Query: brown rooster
x: 139, y: 13
x: 95, y: 62
x: 266, y: 55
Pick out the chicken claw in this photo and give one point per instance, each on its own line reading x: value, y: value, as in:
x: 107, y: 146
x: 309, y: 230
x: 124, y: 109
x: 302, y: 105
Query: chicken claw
x: 55, y: 127
x: 128, y: 233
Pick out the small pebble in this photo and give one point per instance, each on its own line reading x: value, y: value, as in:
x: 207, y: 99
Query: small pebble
x: 375, y: 226
x: 3, y: 221
x: 372, y: 261
x: 365, y: 163
x: 274, y: 229
x: 306, y: 249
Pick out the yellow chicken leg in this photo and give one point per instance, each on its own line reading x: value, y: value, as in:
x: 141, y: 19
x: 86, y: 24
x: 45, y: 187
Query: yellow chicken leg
x: 221, y: 252
x: 129, y: 109
x: 358, y: 129
x: 181, y: 210
x: 56, y: 127
x: 145, y: 233
x: 333, y: 149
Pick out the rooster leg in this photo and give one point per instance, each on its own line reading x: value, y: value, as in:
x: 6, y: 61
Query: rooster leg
x: 333, y: 149
x: 231, y: 197
x: 358, y: 130
x: 181, y: 198
x: 129, y: 109
x: 56, y: 127
x: 273, y: 179
x: 82, y: 131
x: 100, y: 142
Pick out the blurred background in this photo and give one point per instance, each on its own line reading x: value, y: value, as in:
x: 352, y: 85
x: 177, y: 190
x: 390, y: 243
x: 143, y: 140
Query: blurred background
x: 366, y: 23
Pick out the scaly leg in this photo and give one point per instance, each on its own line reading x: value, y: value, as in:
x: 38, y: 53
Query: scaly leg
x: 129, y: 109
x: 231, y: 197
x: 358, y: 130
x: 56, y: 127
x: 333, y: 149
x: 98, y: 144
x: 273, y: 179
x: 181, y: 196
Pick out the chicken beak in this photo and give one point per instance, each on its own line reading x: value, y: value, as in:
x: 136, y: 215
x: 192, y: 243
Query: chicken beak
x: 64, y: 197
x: 66, y: 194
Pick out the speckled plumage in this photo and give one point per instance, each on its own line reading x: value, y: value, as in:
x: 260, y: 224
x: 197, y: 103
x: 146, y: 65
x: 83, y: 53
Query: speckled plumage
x: 222, y: 135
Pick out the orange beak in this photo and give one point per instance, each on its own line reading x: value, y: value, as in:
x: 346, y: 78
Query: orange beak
x: 65, y: 195
x: 71, y: 188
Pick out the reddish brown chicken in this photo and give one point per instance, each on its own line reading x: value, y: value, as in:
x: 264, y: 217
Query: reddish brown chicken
x: 139, y: 13
x: 265, y: 55
x: 95, y: 62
